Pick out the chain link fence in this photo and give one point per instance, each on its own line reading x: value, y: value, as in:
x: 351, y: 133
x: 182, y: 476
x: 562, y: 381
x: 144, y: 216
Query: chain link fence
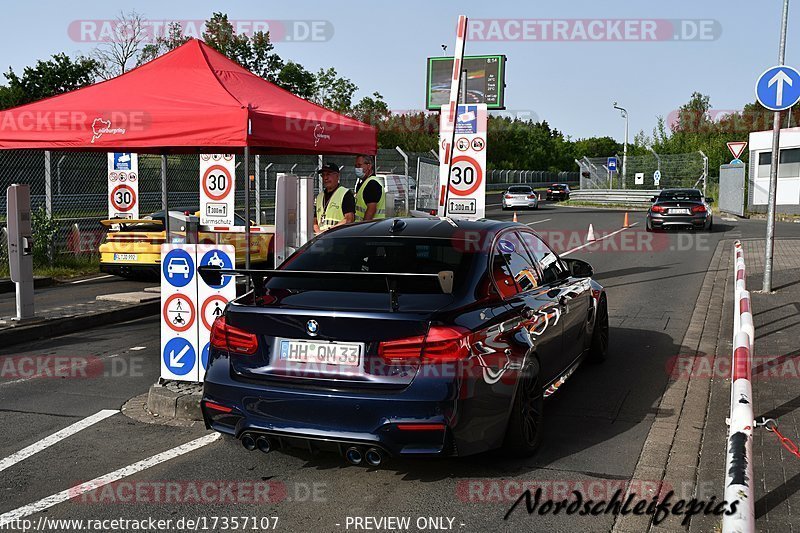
x: 675, y: 170
x: 69, y: 190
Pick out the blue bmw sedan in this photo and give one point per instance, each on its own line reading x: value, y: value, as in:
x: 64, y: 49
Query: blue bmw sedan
x: 403, y: 337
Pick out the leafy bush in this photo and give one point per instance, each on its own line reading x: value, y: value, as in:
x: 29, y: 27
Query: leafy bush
x: 44, y: 231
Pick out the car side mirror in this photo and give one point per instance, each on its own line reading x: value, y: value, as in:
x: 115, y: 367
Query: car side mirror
x: 653, y: 199
x: 709, y: 200
x: 578, y: 268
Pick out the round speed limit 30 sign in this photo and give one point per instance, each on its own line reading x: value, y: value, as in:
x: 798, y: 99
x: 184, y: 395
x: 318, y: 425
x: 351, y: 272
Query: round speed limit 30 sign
x: 123, y: 198
x: 217, y: 182
x: 465, y: 176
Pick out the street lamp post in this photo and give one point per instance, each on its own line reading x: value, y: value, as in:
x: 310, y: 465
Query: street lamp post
x: 625, y: 145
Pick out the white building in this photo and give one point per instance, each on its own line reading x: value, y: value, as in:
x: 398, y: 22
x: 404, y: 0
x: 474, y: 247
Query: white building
x: 788, y: 192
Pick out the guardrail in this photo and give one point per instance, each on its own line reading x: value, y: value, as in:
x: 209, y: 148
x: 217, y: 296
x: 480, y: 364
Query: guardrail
x: 739, y: 458
x: 615, y: 196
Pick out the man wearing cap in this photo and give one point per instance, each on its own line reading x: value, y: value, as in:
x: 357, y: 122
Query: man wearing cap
x: 370, y: 199
x: 335, y: 205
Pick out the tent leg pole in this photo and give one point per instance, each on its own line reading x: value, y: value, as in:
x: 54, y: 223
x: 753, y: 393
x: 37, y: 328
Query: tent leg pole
x: 164, y: 201
x: 247, y: 207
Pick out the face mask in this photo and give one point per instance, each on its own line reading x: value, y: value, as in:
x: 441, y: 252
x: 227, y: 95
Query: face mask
x: 359, y: 172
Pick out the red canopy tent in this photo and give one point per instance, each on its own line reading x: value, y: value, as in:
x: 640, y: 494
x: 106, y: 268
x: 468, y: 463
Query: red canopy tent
x: 190, y: 99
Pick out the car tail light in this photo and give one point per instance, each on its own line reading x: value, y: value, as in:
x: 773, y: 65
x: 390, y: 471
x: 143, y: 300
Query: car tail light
x: 531, y: 197
x: 442, y: 344
x: 549, y: 190
x: 508, y: 196
x: 421, y: 427
x: 699, y: 209
x: 232, y: 339
x: 657, y: 209
x: 217, y: 407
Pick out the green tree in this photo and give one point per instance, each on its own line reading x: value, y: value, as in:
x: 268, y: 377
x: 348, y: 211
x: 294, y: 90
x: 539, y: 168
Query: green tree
x: 172, y: 39
x: 255, y: 53
x: 372, y: 110
x: 57, y: 75
x: 297, y: 80
x: 333, y: 91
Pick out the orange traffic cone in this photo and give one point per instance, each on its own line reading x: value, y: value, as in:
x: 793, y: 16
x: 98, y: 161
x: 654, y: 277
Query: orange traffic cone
x: 590, y: 235
x: 625, y: 224
x: 515, y: 217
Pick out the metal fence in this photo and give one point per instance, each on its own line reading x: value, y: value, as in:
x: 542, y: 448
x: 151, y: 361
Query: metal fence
x: 675, y: 170
x: 70, y: 188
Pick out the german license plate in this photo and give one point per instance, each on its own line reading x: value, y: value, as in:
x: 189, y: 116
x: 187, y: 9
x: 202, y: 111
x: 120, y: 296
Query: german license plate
x: 125, y: 257
x: 328, y: 353
x: 679, y: 212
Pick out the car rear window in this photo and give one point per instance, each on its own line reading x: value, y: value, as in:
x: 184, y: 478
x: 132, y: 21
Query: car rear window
x: 676, y: 196
x: 378, y: 254
x: 519, y: 190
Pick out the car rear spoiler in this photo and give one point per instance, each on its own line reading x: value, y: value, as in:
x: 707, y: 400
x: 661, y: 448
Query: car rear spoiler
x: 213, y: 276
x: 126, y: 221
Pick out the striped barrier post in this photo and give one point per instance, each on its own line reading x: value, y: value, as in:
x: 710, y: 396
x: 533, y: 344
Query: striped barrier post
x: 739, y: 457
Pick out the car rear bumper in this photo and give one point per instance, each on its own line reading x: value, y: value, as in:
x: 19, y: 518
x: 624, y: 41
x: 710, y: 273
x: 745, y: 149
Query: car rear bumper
x: 520, y: 203
x: 433, y: 416
x: 129, y: 269
x: 665, y: 221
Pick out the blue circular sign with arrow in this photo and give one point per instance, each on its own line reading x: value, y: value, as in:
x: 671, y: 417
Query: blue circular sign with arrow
x: 179, y: 356
x: 778, y: 88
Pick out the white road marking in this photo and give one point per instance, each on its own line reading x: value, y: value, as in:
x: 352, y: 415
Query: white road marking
x: 493, y: 205
x: 116, y: 475
x: 537, y: 222
x: 597, y: 240
x: 46, y: 442
x: 92, y: 279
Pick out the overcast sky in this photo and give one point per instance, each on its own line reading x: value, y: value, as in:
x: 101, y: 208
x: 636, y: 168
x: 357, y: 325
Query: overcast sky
x: 561, y: 66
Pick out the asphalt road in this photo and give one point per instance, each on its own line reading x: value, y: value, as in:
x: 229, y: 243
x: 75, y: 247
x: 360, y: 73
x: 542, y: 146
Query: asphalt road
x: 595, y: 425
x: 76, y: 291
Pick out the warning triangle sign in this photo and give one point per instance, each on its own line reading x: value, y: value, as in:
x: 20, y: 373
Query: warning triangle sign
x: 736, y: 148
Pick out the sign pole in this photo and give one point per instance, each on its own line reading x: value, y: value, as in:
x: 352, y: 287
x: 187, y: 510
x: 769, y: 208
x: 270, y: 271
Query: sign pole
x: 247, y: 206
x: 455, y: 88
x: 164, y: 199
x: 773, y: 171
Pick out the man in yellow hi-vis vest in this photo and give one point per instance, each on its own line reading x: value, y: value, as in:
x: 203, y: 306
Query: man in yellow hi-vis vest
x: 370, y: 197
x: 335, y: 204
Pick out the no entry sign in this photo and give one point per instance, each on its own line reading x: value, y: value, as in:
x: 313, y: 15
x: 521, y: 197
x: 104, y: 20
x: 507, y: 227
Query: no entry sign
x: 217, y: 186
x: 123, y: 185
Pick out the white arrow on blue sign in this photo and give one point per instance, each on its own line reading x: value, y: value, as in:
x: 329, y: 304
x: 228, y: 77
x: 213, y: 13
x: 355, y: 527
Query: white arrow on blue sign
x: 612, y: 164
x: 778, y: 88
x: 175, y: 356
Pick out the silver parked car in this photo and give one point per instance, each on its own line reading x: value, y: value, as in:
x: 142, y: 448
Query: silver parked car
x: 520, y: 196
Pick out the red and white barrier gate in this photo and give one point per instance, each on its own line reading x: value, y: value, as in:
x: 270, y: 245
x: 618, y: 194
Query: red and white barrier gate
x: 739, y: 460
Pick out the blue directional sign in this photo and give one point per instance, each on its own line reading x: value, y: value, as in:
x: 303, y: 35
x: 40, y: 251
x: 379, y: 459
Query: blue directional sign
x: 179, y: 356
x: 204, y: 355
x: 178, y: 267
x: 219, y: 259
x: 778, y: 88
x: 612, y: 164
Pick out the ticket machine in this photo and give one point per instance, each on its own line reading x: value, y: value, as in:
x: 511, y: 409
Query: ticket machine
x: 20, y: 247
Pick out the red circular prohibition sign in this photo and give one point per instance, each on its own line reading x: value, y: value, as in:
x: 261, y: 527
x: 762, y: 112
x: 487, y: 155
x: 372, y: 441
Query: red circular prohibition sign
x: 478, y: 175
x: 191, y: 311
x: 114, y: 193
x: 227, y: 190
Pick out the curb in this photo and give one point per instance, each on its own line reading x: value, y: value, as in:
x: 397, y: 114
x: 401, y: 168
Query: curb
x: 62, y: 326
x: 175, y: 400
x: 671, y: 452
x: 6, y: 285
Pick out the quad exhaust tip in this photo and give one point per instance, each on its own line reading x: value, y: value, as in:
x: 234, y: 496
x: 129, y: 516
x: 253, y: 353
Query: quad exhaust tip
x: 353, y: 455
x: 263, y: 444
x: 249, y: 442
x: 374, y: 457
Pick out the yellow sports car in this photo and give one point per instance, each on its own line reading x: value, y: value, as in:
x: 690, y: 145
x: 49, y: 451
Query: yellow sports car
x: 132, y: 248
